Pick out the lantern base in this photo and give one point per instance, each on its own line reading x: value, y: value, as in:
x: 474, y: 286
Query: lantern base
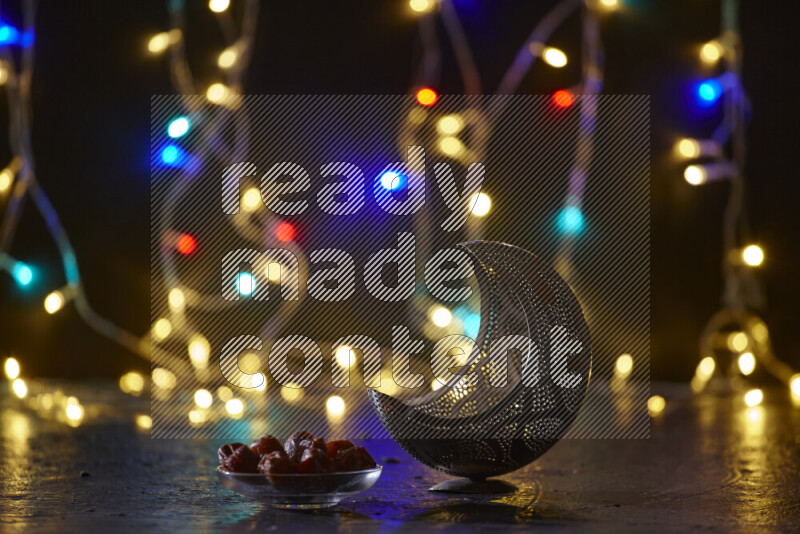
x: 466, y: 485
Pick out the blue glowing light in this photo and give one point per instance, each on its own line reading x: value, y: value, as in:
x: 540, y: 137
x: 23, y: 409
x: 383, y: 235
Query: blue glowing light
x: 709, y: 92
x: 178, y: 127
x: 22, y: 273
x: 472, y: 323
x: 245, y: 284
x: 8, y: 35
x: 570, y: 220
x: 392, y: 181
x: 173, y: 155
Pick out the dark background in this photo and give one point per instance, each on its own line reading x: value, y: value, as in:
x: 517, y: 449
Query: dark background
x: 92, y: 89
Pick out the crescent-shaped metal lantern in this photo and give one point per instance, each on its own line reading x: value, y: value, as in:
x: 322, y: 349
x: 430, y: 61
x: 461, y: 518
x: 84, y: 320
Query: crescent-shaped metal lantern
x: 521, y: 386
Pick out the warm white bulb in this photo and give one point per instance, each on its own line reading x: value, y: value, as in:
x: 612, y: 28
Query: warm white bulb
x: 688, y: 148
x: 335, y: 405
x: 12, y: 368
x: 481, y: 204
x: 711, y: 52
x: 218, y: 6
x: 441, y: 317
x: 747, y: 363
x: 203, y: 398
x: 694, y: 175
x: 421, y: 6
x: 753, y: 397
x: 554, y: 57
x: 753, y: 255
x: 227, y: 58
x: 53, y: 302
x: 216, y: 92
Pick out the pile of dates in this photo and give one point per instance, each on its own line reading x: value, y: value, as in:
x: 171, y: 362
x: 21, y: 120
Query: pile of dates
x: 302, y: 453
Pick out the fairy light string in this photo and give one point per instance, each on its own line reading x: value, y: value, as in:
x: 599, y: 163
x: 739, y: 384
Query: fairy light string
x: 749, y: 341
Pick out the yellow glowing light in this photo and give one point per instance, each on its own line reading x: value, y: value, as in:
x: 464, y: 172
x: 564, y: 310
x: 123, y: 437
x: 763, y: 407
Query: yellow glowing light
x: 609, y: 4
x: 3, y: 75
x: 161, y: 329
x: 249, y: 363
x: 197, y: 417
x: 335, y: 405
x: 291, y: 392
x: 441, y: 317
x: 199, y: 350
x: 74, y: 412
x: 624, y: 365
x: 203, y: 398
x: 449, y: 124
x: 218, y: 6
x: 12, y: 368
x: 19, y: 387
x: 554, y: 57
x: 234, y: 407
x: 753, y: 255
x: 216, y: 92
x: 131, y: 382
x: 794, y: 385
x: 451, y: 146
x: 227, y: 58
x: 753, y: 397
x: 144, y: 422
x: 421, y: 6
x: 54, y: 302
x: 158, y: 43
x: 655, y: 405
x: 343, y: 356
x: 274, y: 272
x: 177, y: 300
x: 706, y: 368
x: 164, y: 378
x: 695, y: 175
x: 737, y: 341
x: 747, y: 363
x: 251, y: 199
x: 711, y: 52
x: 257, y: 383
x: 6, y: 176
x: 481, y: 204
x: 688, y: 148
x: 224, y: 393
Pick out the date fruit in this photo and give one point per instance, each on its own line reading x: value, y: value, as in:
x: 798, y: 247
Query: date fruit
x: 265, y: 445
x: 315, y: 460
x: 242, y: 460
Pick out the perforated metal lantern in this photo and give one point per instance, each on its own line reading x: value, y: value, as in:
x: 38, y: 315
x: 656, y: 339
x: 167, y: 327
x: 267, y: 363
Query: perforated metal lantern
x: 522, y: 385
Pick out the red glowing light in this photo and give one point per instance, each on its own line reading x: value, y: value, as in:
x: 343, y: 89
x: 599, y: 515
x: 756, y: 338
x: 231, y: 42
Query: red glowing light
x: 427, y: 96
x: 284, y: 232
x: 186, y: 244
x: 563, y: 98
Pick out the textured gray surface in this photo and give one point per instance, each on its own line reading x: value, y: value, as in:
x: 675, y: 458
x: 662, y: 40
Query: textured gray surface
x: 710, y: 465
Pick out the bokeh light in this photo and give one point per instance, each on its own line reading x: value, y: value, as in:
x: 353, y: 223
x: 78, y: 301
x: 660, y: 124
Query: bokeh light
x: 203, y: 398
x: 563, y: 98
x: 178, y: 127
x: 440, y: 316
x: 753, y: 397
x: 753, y: 255
x: 481, y: 204
x: 554, y: 57
x: 427, y: 96
x: 656, y: 405
x: 747, y: 363
x: 12, y: 368
x: 53, y: 302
